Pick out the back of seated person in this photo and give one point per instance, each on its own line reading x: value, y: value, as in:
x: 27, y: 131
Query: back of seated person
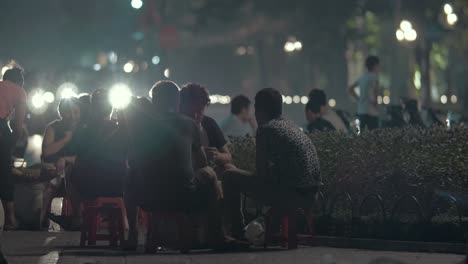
x: 101, y: 153
x: 287, y: 166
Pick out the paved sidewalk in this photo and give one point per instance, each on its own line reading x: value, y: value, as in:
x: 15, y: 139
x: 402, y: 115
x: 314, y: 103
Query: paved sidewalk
x: 52, y: 248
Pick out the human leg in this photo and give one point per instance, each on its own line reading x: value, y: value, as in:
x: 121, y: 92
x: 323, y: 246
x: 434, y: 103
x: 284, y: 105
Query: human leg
x: 2, y: 221
x: 237, y: 182
x: 208, y: 195
x: 7, y: 184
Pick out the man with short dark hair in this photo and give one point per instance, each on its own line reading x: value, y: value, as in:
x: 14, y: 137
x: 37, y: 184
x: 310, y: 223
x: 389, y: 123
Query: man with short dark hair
x: 287, y: 167
x: 240, y: 123
x: 315, y: 109
x: 368, y: 111
x: 194, y: 99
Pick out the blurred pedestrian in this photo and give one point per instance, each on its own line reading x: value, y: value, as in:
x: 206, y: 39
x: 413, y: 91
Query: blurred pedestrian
x: 368, y: 83
x: 240, y: 123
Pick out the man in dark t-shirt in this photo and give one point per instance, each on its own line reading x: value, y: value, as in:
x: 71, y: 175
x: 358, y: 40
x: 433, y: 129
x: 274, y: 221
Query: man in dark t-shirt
x: 194, y: 99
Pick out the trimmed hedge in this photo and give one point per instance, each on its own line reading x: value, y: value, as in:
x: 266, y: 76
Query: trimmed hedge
x: 430, y: 165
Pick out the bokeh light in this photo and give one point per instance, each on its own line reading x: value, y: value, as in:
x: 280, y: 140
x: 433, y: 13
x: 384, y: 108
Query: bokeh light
x: 386, y: 100
x: 405, y: 25
x: 448, y: 9
x: 137, y: 4
x: 128, y: 67
x: 296, y: 99
x: 97, y: 67
x: 288, y: 100
x: 48, y: 97
x: 156, y: 60
x: 400, y: 35
x: 452, y: 19
x: 67, y: 90
x: 298, y: 45
x: 443, y: 99
x: 411, y: 35
x: 332, y: 102
x: 304, y: 99
x: 37, y: 100
x: 453, y: 99
x: 167, y: 73
x: 289, y: 47
x: 120, y: 96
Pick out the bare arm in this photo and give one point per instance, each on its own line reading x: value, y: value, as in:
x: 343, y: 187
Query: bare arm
x: 351, y: 90
x: 20, y: 112
x: 50, y: 146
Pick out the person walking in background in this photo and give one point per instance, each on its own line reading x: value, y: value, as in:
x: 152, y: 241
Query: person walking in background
x: 287, y: 166
x: 57, y: 136
x: 240, y: 123
x: 314, y: 111
x: 319, y: 97
x: 194, y: 99
x: 368, y: 84
x: 12, y: 100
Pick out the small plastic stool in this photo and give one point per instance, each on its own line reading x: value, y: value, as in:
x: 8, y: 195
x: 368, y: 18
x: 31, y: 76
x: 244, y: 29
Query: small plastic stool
x: 288, y: 227
x: 185, y: 232
x: 114, y: 209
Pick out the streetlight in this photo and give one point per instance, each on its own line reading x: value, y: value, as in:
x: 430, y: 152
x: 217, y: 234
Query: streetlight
x: 406, y: 32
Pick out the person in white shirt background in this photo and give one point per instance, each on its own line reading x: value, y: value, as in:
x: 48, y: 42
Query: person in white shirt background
x: 368, y: 111
x: 240, y: 123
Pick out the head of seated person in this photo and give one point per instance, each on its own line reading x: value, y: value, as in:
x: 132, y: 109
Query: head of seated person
x: 194, y: 99
x: 165, y: 96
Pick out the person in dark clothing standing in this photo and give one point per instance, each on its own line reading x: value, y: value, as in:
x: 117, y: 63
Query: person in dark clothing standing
x: 12, y: 100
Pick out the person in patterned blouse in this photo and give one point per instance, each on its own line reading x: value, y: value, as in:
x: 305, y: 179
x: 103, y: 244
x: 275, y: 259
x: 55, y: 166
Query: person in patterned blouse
x: 287, y: 166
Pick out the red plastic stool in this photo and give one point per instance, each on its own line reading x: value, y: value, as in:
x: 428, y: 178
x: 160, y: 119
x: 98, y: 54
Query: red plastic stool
x: 288, y: 227
x: 114, y: 209
x: 184, y: 228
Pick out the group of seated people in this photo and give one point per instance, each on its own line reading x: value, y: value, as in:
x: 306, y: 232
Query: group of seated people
x: 167, y: 155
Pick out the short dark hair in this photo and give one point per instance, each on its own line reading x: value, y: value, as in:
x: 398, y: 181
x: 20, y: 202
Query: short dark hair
x: 193, y: 96
x: 238, y: 103
x: 67, y: 104
x: 318, y: 96
x: 14, y: 75
x: 269, y: 101
x: 165, y: 94
x: 371, y: 62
